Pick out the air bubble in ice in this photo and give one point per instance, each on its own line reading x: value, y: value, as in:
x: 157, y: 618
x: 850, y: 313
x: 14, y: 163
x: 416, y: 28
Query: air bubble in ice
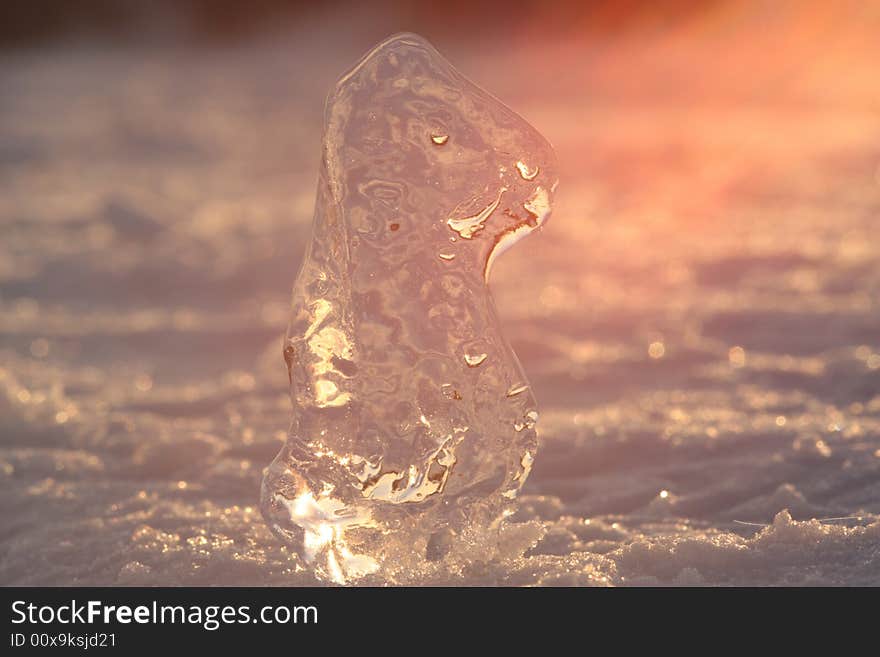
x: 413, y: 426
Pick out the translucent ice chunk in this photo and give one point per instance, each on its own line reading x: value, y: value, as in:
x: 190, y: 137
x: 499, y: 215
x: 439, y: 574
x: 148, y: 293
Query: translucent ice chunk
x: 413, y: 425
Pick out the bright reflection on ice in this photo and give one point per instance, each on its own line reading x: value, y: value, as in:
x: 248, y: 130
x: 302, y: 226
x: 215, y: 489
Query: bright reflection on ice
x: 413, y: 423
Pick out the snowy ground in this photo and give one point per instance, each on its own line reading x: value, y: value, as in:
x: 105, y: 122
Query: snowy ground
x: 700, y: 319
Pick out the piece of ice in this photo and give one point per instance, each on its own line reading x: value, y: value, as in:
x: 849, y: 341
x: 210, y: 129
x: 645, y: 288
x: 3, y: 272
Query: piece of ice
x: 413, y: 425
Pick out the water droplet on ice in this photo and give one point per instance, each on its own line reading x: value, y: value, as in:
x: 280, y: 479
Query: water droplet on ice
x: 469, y: 225
x: 389, y: 419
x: 449, y: 391
x: 525, y: 172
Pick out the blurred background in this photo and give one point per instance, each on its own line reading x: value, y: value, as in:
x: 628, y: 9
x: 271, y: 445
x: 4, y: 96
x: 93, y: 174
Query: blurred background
x: 700, y: 319
x: 227, y: 21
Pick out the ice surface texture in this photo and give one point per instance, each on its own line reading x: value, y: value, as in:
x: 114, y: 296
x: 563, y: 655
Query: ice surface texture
x: 413, y: 424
